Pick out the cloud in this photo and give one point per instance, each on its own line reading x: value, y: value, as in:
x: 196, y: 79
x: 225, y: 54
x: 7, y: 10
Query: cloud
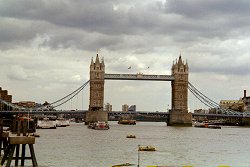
x: 47, y: 45
x: 17, y: 73
x: 207, y: 9
x: 219, y: 57
x: 95, y: 24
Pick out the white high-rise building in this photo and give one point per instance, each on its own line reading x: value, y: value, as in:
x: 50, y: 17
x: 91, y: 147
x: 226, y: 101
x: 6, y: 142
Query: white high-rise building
x: 125, y: 107
x: 108, y: 107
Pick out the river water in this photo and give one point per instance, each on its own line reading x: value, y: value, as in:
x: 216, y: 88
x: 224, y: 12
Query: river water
x: 78, y: 146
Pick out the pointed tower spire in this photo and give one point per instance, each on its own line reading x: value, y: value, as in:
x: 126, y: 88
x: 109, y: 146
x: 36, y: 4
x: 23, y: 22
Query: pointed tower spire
x: 103, y: 62
x: 92, y: 64
x: 180, y: 60
x: 92, y: 61
x: 186, y: 66
x: 97, y: 61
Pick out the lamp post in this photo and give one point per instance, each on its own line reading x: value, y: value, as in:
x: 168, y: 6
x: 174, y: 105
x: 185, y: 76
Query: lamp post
x: 138, y: 156
x: 29, y: 111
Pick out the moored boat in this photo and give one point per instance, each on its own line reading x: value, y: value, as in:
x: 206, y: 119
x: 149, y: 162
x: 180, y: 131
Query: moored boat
x: 34, y: 134
x: 214, y: 126
x: 127, y: 122
x: 146, y: 148
x: 99, y: 125
x: 200, y: 124
x: 121, y: 165
x: 62, y: 123
x: 78, y: 120
x: 46, y: 124
x: 206, y: 125
x: 131, y: 136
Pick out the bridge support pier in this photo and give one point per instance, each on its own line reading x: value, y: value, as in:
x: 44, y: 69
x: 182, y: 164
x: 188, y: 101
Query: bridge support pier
x: 246, y: 121
x: 95, y: 116
x: 178, y: 118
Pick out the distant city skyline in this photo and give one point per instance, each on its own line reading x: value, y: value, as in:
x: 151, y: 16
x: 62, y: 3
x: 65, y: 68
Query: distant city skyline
x: 46, y: 48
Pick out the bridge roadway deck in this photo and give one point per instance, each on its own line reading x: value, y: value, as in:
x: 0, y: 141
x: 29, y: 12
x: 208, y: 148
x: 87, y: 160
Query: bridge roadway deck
x: 244, y: 115
x: 139, y: 76
x: 79, y: 112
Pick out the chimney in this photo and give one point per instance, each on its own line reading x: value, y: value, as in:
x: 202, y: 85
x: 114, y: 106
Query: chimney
x: 245, y: 94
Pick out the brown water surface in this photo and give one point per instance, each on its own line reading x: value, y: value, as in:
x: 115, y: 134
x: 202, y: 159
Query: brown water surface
x: 78, y: 146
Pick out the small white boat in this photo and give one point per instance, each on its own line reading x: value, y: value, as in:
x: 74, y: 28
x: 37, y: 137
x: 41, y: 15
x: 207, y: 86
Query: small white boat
x: 200, y: 124
x: 62, y: 123
x: 46, y: 124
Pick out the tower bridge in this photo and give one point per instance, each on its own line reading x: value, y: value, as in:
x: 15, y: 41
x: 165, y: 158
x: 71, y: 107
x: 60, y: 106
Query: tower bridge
x: 179, y: 82
x: 178, y: 115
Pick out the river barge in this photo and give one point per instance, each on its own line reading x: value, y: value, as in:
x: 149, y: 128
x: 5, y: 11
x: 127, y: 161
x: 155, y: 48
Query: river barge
x: 127, y: 122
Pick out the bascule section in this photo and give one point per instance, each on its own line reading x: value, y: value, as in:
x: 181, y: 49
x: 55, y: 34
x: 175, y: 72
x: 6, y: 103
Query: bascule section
x: 179, y: 113
x: 95, y: 112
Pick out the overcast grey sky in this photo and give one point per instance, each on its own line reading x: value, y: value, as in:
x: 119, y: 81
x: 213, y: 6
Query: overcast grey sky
x: 46, y: 48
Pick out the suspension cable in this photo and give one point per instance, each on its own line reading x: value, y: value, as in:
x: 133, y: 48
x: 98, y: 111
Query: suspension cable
x: 204, y: 100
x: 62, y: 99
x: 203, y: 94
x: 77, y: 90
x: 69, y: 98
x: 71, y: 95
x: 198, y: 97
x: 208, y: 102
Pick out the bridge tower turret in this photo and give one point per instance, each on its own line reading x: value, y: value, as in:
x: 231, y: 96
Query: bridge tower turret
x: 179, y: 113
x: 96, y: 97
x: 97, y: 70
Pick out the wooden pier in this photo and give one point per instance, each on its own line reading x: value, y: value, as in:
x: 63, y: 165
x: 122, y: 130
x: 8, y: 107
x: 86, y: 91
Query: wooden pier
x: 14, y: 144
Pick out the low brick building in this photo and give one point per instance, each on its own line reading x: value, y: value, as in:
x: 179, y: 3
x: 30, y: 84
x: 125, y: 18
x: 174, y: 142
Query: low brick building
x: 6, y: 97
x: 237, y: 105
x: 26, y: 104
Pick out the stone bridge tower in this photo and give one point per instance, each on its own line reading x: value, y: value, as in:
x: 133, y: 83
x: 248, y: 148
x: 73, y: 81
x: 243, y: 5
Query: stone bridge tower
x: 179, y: 113
x: 96, y: 97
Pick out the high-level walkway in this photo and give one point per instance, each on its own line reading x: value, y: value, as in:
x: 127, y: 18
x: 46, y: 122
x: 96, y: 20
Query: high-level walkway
x: 138, y: 76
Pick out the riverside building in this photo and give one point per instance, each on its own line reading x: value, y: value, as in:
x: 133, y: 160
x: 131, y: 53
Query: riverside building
x: 6, y: 97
